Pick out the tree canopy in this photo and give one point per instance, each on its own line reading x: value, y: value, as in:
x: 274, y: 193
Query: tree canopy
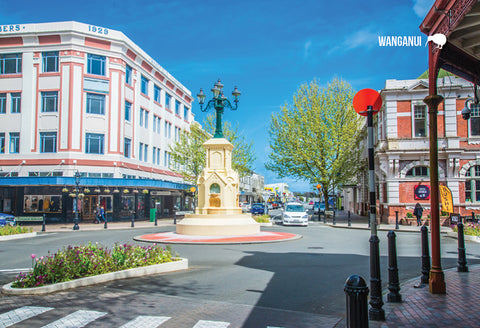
x: 188, y: 154
x: 316, y: 138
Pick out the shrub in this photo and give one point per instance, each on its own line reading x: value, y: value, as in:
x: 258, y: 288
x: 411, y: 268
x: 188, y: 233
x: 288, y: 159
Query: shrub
x: 409, y: 215
x: 89, y: 260
x: 264, y: 218
x: 9, y: 230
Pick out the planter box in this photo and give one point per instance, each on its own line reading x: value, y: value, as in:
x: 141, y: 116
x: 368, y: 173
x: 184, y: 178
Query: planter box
x: 181, y: 264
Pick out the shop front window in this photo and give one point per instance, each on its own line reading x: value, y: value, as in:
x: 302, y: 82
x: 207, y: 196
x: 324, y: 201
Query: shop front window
x: 42, y: 203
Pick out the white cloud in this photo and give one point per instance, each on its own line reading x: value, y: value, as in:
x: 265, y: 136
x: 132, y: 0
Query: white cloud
x: 306, y: 49
x: 421, y: 7
x: 361, y: 38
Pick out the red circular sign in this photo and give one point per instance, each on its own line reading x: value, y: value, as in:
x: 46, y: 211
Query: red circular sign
x: 365, y: 98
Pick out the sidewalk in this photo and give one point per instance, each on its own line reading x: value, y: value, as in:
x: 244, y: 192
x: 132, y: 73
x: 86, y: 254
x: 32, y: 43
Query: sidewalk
x: 63, y: 227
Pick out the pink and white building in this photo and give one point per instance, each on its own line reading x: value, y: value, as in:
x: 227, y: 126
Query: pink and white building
x: 78, y: 97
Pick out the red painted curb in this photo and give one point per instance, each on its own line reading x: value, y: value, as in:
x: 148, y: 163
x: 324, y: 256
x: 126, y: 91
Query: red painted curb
x: 174, y: 238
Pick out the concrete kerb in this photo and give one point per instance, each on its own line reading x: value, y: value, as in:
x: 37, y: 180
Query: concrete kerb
x: 180, y: 264
x: 18, y: 236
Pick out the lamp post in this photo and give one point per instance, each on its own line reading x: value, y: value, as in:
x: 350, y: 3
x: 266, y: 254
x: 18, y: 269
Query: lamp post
x: 77, y: 182
x: 219, y: 102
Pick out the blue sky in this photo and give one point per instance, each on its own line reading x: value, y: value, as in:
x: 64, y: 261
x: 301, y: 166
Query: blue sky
x: 268, y: 48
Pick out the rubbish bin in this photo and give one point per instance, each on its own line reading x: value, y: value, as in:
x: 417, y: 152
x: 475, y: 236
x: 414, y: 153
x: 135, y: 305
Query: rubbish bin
x: 153, y: 212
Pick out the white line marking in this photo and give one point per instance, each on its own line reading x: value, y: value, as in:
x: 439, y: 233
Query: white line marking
x: 16, y: 270
x: 15, y: 316
x: 145, y: 321
x: 211, y: 324
x: 76, y: 320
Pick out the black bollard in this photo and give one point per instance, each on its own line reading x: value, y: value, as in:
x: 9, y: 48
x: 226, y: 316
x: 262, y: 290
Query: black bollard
x: 333, y: 220
x: 174, y: 216
x: 43, y: 223
x: 396, y: 220
x: 105, y: 222
x: 376, y: 311
x: 133, y: 220
x: 324, y: 216
x: 462, y: 260
x: 349, y: 220
x: 425, y: 256
x: 393, y: 282
x: 156, y: 216
x: 356, y: 292
x: 473, y: 216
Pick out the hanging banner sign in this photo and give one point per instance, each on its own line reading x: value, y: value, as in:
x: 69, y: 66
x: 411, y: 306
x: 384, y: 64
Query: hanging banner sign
x: 447, y: 199
x: 421, y: 192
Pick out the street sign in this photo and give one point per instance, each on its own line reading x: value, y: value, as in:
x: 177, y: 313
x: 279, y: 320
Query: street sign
x: 265, y: 197
x: 365, y: 98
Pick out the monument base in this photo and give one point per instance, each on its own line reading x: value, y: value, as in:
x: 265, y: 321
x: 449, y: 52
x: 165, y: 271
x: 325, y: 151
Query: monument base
x: 218, y: 225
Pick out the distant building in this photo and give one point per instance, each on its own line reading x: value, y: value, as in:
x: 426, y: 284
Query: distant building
x: 78, y: 97
x: 251, y: 188
x: 402, y: 150
x: 279, y: 191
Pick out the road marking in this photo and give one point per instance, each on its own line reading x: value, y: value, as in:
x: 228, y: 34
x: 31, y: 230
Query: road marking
x: 145, y: 321
x: 15, y: 316
x: 16, y: 270
x: 211, y: 324
x: 76, y: 320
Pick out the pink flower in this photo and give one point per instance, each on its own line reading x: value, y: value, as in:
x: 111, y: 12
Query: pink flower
x: 32, y: 256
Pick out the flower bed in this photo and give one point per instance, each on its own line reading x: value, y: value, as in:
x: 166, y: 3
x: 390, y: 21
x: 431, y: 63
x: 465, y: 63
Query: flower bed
x: 9, y: 230
x: 89, y: 260
x: 469, y: 229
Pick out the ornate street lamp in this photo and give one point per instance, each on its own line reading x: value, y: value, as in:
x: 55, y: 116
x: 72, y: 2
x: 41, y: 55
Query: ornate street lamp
x: 219, y: 102
x: 77, y: 182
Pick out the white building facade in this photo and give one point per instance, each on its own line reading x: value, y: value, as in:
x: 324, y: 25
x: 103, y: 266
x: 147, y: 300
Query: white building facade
x: 78, y: 97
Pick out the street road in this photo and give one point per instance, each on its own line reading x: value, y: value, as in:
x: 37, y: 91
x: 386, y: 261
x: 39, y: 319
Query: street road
x: 292, y: 284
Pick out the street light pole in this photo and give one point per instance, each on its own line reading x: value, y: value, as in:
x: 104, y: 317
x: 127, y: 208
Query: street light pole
x: 77, y: 182
x: 219, y: 102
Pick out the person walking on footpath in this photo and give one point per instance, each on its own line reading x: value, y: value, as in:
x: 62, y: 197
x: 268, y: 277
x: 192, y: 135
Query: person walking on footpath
x: 97, y: 214
x: 418, y: 211
x: 102, y: 214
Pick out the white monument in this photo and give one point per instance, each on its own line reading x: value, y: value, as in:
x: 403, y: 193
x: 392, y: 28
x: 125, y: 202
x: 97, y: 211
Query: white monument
x: 218, y: 213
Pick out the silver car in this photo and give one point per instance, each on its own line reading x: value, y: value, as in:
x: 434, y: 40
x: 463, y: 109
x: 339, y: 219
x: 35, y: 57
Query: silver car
x: 294, y: 214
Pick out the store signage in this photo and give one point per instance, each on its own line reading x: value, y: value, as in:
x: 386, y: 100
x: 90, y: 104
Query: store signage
x: 421, y: 192
x: 161, y: 193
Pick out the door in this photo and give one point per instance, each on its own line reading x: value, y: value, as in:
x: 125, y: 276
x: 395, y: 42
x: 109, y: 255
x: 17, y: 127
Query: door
x: 89, y: 205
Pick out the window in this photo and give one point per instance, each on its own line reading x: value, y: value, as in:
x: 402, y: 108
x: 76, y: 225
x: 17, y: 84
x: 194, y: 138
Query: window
x: 158, y: 156
x: 177, y: 133
x: 145, y: 157
x: 140, y: 152
x: 475, y: 121
x: 128, y: 75
x: 10, y: 63
x: 48, y: 142
x: 50, y: 61
x: 156, y: 93
x: 14, y: 142
x: 167, y: 100
x: 146, y: 119
x: 127, y: 147
x: 141, y: 116
x: 185, y: 112
x: 2, y: 143
x: 95, y: 104
x: 156, y: 123
x: 420, y: 121
x: 3, y: 103
x: 94, y: 143
x: 96, y: 64
x: 177, y: 107
x: 49, y: 101
x: 472, y: 185
x: 168, y: 132
x: 419, y: 171
x: 128, y: 111
x: 154, y: 153
x: 144, y: 86
x: 16, y: 102
x: 166, y: 159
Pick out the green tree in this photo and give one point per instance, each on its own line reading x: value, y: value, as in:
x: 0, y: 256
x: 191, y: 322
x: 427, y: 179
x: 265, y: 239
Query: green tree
x: 316, y: 138
x: 188, y: 154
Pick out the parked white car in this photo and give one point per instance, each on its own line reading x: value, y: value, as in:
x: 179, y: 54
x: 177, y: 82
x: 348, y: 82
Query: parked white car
x: 294, y: 214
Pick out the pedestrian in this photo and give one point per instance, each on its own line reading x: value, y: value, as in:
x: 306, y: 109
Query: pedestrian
x: 97, y: 214
x: 418, y: 211
x: 102, y: 214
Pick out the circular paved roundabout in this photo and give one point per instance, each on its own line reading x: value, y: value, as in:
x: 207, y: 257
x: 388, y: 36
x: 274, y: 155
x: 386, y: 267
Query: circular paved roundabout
x: 174, y: 238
